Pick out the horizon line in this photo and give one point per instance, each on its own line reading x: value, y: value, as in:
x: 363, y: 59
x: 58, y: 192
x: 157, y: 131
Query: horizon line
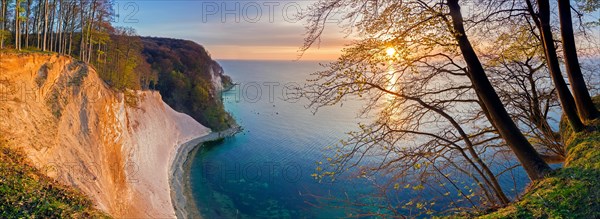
x: 291, y: 60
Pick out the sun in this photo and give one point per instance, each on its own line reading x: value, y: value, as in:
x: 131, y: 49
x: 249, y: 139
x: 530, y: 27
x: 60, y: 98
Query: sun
x: 390, y: 51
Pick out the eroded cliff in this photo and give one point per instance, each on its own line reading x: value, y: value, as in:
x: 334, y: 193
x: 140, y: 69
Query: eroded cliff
x: 116, y: 148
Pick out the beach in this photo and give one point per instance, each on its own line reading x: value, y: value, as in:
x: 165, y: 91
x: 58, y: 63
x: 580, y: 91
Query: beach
x: 179, y: 176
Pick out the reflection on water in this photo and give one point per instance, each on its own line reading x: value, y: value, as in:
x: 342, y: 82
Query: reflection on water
x: 393, y: 84
x: 265, y: 172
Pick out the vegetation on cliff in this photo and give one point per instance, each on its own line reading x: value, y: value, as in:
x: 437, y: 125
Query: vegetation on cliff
x: 35, y: 194
x: 570, y: 192
x: 185, y: 74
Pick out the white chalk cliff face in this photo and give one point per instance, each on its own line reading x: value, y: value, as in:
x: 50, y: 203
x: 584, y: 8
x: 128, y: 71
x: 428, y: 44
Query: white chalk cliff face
x: 215, y: 77
x: 113, y: 148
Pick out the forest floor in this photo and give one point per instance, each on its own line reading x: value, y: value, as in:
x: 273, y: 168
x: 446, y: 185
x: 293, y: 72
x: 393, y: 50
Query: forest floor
x: 570, y: 192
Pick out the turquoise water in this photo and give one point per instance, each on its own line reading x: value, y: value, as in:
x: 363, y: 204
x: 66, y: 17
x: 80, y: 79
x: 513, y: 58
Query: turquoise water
x: 265, y: 172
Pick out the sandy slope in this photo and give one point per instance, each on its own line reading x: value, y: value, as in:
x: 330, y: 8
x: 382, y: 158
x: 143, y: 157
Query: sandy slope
x: 84, y: 134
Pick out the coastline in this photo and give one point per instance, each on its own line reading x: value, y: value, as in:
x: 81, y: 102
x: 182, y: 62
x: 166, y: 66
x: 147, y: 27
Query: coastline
x: 180, y: 194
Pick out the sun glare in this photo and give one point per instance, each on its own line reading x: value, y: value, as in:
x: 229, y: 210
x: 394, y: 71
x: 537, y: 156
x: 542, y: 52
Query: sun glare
x: 390, y: 51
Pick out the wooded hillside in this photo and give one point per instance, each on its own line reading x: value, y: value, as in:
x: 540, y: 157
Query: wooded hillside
x: 179, y: 69
x: 184, y: 71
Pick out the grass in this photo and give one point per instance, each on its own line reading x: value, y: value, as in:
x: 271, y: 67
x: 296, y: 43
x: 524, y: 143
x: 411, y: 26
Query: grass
x: 25, y: 51
x: 27, y: 193
x: 570, y: 192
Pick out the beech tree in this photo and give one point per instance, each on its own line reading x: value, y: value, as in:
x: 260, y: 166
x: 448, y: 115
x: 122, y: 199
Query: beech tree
x: 447, y: 13
x: 583, y: 100
x: 516, y: 62
x: 45, y: 30
x: 17, y: 24
x: 542, y: 20
x: 410, y: 96
x: 533, y: 164
x: 3, y: 20
x: 26, y: 22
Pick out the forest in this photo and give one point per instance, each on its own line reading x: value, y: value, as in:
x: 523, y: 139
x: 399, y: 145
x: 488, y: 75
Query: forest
x: 84, y: 30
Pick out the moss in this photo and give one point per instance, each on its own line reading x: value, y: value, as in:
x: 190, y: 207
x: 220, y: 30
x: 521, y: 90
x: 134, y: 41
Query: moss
x: 27, y: 193
x: 570, y: 192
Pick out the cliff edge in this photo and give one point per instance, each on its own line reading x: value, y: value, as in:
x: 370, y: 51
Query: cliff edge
x: 115, y: 147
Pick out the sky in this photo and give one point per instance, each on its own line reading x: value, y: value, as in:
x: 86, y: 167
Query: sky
x: 252, y: 30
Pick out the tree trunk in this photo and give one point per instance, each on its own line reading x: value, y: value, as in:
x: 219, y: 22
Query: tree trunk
x: 3, y: 22
x: 60, y: 27
x: 90, y: 30
x: 550, y: 139
x: 52, y: 22
x: 72, y: 26
x: 531, y: 161
x: 35, y: 26
x: 44, y: 43
x: 82, y: 42
x: 564, y: 95
x: 27, y: 23
x: 17, y: 24
x: 583, y: 100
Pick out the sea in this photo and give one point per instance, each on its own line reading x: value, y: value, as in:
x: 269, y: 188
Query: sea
x: 267, y: 170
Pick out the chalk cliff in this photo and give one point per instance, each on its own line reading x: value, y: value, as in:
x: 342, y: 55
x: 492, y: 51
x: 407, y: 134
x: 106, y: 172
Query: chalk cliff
x: 115, y: 147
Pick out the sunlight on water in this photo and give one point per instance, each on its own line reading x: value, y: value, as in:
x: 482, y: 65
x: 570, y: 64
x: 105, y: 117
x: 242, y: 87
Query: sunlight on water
x: 392, y: 85
x: 265, y: 172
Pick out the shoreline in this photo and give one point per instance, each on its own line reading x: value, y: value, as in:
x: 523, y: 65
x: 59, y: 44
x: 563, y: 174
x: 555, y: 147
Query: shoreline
x: 178, y: 176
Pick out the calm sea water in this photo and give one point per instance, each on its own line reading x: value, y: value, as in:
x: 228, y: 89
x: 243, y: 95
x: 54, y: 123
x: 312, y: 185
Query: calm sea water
x: 265, y: 172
